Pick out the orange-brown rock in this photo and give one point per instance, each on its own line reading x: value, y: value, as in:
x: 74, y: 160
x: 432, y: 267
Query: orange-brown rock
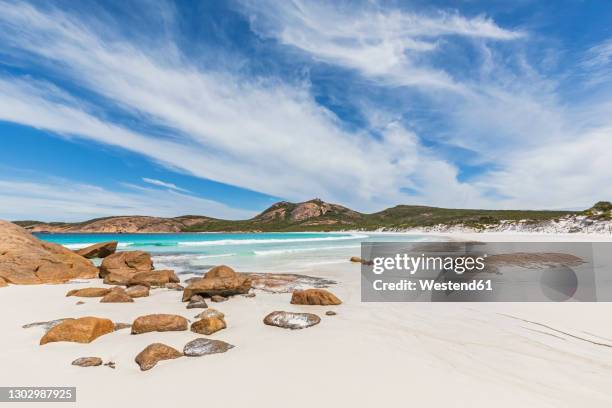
x: 3, y: 283
x: 221, y: 280
x: 87, y: 362
x: 24, y: 259
x: 101, y: 250
x: 159, y: 323
x: 137, y: 291
x: 117, y: 295
x: 314, y: 297
x: 116, y: 279
x: 208, y: 325
x: 127, y: 263
x: 88, y: 292
x: 155, y: 353
x: 154, y: 278
x: 82, y: 330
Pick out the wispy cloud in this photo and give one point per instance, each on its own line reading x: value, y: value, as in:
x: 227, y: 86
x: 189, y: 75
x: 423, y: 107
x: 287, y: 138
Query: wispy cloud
x: 66, y: 200
x: 164, y: 184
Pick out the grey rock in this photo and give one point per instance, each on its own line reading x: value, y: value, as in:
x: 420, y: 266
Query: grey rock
x: 201, y: 347
x: 46, y: 326
x: 291, y: 320
x: 197, y: 302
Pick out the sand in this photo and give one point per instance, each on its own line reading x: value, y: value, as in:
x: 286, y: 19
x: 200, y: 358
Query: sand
x: 369, y: 354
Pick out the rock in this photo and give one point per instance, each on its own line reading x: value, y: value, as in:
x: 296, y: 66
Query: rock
x: 220, y: 280
x: 191, y: 280
x: 291, y: 320
x: 24, y: 259
x: 249, y: 295
x: 286, y: 282
x: 197, y: 302
x: 88, y: 292
x: 116, y: 279
x: 159, y: 323
x: 155, y: 353
x: 360, y: 260
x: 208, y: 325
x: 46, y: 325
x: 127, y: 264
x: 218, y: 299
x: 201, y: 347
x: 210, y: 313
x: 110, y: 364
x: 137, y: 291
x: 154, y: 278
x: 101, y: 250
x: 117, y: 295
x: 121, y: 326
x: 3, y: 283
x: 330, y: 313
x: 314, y: 297
x: 174, y: 286
x: 87, y: 362
x: 82, y: 330
x: 80, y: 302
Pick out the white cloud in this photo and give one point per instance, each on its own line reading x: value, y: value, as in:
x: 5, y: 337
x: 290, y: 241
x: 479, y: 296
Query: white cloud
x: 164, y: 184
x: 65, y: 200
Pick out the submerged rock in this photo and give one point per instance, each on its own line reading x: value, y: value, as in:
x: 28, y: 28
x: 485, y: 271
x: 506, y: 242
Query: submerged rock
x: 25, y: 259
x: 101, y: 250
x: 201, y: 347
x: 159, y: 323
x: 291, y: 320
x: 208, y: 325
x: 155, y: 353
x: 221, y: 281
x: 87, y: 362
x: 88, y: 292
x: 197, y: 302
x: 82, y: 330
x: 117, y: 295
x: 210, y: 313
x: 320, y: 297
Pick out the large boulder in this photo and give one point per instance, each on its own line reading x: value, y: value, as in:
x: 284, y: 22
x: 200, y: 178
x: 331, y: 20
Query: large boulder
x: 208, y: 325
x: 291, y: 320
x: 320, y: 297
x: 159, y: 323
x: 201, y: 347
x: 88, y: 292
x: 117, y: 295
x: 101, y: 250
x: 127, y: 264
x: 155, y: 353
x: 157, y: 278
x: 24, y: 259
x: 82, y: 330
x: 220, y: 280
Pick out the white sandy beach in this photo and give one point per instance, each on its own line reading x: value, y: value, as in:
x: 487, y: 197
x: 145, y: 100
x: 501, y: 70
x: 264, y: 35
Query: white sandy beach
x: 369, y: 354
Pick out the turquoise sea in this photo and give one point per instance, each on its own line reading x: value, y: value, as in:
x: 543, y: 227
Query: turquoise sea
x: 194, y: 252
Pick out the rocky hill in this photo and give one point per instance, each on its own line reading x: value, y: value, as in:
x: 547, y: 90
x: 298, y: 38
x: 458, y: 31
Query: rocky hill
x: 318, y: 215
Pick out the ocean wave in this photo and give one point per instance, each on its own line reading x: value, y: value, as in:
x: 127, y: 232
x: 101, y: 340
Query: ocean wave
x: 297, y: 250
x: 186, y: 257
x: 267, y: 241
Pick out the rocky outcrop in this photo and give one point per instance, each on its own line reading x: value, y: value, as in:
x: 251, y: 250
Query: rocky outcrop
x: 154, y: 353
x: 82, y: 330
x: 24, y: 259
x: 126, y: 264
x: 101, y: 250
x: 159, y: 323
x: 88, y: 292
x: 208, y: 325
x: 117, y: 295
x: 291, y: 320
x: 138, y: 291
x: 116, y: 279
x: 123, y: 224
x: 202, y: 347
x: 221, y: 280
x: 320, y: 297
x: 87, y: 362
x: 157, y: 278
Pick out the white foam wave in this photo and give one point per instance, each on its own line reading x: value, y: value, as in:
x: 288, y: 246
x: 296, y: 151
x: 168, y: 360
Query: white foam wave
x: 296, y: 250
x: 268, y: 241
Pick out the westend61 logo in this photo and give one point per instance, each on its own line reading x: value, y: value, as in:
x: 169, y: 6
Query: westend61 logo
x: 485, y: 272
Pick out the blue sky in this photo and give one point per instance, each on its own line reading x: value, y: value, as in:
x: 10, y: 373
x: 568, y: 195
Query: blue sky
x: 222, y: 108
